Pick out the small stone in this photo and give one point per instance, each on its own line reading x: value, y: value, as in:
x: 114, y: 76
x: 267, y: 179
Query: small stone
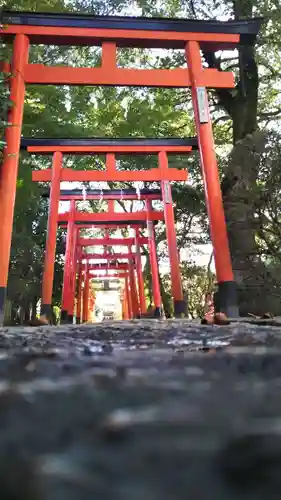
x: 87, y: 351
x: 207, y: 320
x: 107, y: 348
x: 221, y: 319
x: 31, y: 366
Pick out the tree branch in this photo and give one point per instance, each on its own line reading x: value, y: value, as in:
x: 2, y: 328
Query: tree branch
x: 224, y: 118
x: 224, y: 95
x: 270, y: 114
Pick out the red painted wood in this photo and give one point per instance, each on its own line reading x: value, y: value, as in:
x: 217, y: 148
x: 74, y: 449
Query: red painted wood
x: 110, y: 241
x: 210, y: 173
x: 178, y: 77
x: 120, y: 150
x: 112, y: 216
x: 70, y: 175
x: 108, y: 256
x: 51, y: 35
x: 51, y: 239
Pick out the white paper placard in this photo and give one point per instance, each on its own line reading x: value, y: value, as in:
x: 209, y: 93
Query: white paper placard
x: 167, y: 192
x: 150, y: 228
x: 202, y: 104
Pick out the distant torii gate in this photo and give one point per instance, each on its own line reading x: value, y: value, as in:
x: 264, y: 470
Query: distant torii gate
x: 83, y: 298
x: 112, y: 195
x: 110, y: 32
x: 129, y: 299
x: 71, y: 256
x: 110, y: 242
x: 129, y: 242
x: 98, y: 218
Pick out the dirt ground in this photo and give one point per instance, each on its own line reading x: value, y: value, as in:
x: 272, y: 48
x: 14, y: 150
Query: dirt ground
x: 141, y: 410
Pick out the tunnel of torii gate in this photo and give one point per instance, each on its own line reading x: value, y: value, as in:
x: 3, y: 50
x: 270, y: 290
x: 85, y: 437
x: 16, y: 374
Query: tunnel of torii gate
x: 111, y: 148
x: 133, y: 301
x: 136, y: 303
x: 110, y: 217
x: 110, y: 32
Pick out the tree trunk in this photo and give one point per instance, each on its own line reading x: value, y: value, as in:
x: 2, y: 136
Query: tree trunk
x: 256, y: 286
x: 27, y: 311
x: 166, y: 301
x: 240, y: 179
x: 148, y: 278
x: 34, y: 308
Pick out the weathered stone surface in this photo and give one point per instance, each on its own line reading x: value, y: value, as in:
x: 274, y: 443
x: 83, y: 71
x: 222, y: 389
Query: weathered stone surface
x: 140, y: 410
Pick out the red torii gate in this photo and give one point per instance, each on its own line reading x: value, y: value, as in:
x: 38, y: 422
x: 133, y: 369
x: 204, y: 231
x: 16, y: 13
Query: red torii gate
x: 112, y: 195
x: 83, y: 296
x: 128, y: 298
x: 92, y: 242
x: 125, y: 295
x: 116, y: 217
x: 79, y: 29
x: 114, y: 147
x: 71, y: 257
x: 136, y: 299
x: 108, y: 256
x: 94, y: 219
x: 129, y: 242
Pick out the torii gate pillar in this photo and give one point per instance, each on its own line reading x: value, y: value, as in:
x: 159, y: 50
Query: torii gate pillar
x: 176, y: 283
x: 154, y: 265
x: 79, y: 295
x: 86, y: 294
x: 66, y: 291
x: 51, y: 238
x: 140, y: 275
x: 72, y: 275
x: 227, y: 288
x: 128, y: 298
x: 9, y: 168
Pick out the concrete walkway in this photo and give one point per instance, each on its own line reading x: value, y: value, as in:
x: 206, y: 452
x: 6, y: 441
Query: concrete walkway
x: 140, y: 410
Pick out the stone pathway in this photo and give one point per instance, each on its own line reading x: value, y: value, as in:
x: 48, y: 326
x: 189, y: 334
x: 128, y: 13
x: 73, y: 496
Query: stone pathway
x: 141, y: 410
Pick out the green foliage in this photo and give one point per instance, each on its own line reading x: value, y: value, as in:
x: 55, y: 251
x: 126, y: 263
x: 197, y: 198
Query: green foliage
x: 197, y: 281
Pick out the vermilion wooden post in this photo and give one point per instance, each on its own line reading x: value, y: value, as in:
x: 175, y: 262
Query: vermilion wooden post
x: 79, y: 293
x: 9, y: 168
x: 77, y: 269
x: 91, y: 306
x: 177, y: 293
x: 67, y: 265
x: 86, y: 295
x: 122, y: 306
x: 106, y: 233
x: 154, y: 265
x: 128, y: 297
x: 125, y: 310
x: 134, y: 294
x: 51, y: 239
x: 140, y: 275
x: 93, y: 303
x: 111, y: 207
x: 73, y: 272
x: 227, y: 289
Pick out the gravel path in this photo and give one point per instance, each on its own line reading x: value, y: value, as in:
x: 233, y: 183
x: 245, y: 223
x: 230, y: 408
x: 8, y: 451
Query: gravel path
x: 141, y: 410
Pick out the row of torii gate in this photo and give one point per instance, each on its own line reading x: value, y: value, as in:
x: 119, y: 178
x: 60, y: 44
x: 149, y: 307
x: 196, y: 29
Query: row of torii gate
x: 25, y: 28
x: 134, y: 297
